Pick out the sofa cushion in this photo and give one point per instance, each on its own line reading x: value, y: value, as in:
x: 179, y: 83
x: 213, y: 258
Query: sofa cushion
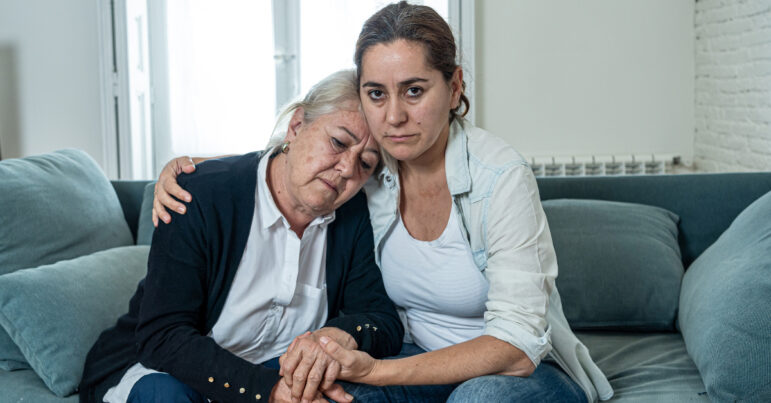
x: 619, y: 263
x: 646, y: 367
x: 55, y: 313
x: 55, y: 206
x: 724, y: 309
x: 25, y: 386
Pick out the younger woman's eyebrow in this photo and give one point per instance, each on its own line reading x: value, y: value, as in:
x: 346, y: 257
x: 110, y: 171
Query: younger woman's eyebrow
x: 406, y: 82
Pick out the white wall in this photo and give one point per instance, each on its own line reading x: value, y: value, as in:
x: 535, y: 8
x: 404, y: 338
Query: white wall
x: 733, y: 85
x: 49, y: 77
x: 589, y: 77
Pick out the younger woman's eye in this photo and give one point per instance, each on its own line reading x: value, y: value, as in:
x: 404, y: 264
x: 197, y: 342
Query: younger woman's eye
x: 375, y: 94
x: 365, y: 165
x: 414, y: 91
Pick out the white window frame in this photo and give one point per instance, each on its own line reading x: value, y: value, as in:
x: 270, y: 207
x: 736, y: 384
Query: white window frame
x: 119, y: 146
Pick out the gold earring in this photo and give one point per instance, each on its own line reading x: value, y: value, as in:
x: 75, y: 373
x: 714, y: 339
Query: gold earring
x: 285, y: 147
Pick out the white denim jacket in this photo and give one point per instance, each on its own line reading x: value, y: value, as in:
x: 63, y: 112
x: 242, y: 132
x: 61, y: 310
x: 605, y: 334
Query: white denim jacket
x: 497, y: 199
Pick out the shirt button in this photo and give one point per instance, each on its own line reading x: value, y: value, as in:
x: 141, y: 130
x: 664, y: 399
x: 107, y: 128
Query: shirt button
x: 211, y: 379
x: 358, y: 328
x: 258, y: 396
x: 227, y: 385
x: 242, y: 391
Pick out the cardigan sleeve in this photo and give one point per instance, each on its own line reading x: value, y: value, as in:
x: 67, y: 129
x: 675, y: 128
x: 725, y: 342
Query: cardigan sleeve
x: 368, y: 314
x: 170, y: 334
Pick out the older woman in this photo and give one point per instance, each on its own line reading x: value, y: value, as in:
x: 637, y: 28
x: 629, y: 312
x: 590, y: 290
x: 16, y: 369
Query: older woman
x: 275, y: 244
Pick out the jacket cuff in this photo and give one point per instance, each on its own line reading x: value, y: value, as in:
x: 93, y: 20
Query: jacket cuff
x: 533, y: 346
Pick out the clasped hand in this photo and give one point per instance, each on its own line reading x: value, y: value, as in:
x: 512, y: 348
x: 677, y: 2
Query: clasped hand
x: 308, y: 373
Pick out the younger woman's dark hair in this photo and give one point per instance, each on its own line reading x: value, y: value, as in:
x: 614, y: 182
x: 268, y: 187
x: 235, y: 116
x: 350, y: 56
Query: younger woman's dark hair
x: 418, y: 24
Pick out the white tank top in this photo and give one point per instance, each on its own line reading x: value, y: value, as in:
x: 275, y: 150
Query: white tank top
x: 441, y: 290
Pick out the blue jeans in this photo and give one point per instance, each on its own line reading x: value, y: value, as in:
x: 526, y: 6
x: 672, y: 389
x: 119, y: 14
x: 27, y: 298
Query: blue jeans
x: 399, y: 393
x: 548, y: 383
x: 163, y: 388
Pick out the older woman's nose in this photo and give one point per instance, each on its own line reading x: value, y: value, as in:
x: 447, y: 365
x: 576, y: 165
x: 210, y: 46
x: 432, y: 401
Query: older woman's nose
x: 347, y: 164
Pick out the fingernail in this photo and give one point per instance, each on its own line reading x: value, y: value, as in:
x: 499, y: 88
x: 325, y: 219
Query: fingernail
x: 324, y: 340
x: 188, y: 198
x: 181, y: 210
x: 349, y: 397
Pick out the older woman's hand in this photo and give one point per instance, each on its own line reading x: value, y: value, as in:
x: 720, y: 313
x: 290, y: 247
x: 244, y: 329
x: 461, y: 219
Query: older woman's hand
x: 306, y: 368
x: 167, y: 186
x: 281, y: 393
x: 356, y: 366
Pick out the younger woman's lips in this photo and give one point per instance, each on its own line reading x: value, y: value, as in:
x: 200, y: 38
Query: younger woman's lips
x: 399, y: 138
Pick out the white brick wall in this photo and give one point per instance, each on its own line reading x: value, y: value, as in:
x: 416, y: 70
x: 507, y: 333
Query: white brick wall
x: 733, y: 85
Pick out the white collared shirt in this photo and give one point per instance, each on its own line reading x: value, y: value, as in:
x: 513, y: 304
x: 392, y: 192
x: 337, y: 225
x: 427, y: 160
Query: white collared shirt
x: 271, y: 300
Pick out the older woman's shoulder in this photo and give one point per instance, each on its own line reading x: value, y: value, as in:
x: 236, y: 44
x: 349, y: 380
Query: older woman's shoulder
x: 223, y: 177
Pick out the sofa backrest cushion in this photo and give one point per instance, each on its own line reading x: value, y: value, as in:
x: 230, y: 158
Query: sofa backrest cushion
x: 145, y: 226
x: 705, y: 203
x: 619, y: 264
x: 54, y: 206
x: 725, y: 309
x: 55, y: 313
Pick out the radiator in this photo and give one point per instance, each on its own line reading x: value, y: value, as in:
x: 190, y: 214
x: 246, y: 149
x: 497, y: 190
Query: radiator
x: 656, y: 164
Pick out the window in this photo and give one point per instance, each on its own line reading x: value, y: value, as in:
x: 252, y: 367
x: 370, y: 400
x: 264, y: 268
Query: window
x: 220, y: 71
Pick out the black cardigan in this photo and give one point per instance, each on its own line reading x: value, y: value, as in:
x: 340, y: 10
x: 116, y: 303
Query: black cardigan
x: 191, y: 267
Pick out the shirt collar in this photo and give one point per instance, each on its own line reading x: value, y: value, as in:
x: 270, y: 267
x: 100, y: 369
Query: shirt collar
x: 269, y: 212
x: 456, y: 159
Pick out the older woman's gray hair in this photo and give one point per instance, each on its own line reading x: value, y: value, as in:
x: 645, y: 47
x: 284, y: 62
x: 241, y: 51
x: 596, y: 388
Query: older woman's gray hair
x: 336, y: 92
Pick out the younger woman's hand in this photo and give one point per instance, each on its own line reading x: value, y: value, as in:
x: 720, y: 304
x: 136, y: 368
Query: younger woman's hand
x: 305, y: 366
x: 356, y: 366
x: 167, y: 186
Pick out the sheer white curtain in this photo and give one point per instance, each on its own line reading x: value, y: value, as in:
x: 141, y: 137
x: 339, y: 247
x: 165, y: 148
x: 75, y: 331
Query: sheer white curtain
x: 215, y: 66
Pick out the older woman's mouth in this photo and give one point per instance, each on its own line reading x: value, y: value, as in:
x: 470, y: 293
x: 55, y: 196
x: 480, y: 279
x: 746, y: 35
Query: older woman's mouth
x: 330, y: 185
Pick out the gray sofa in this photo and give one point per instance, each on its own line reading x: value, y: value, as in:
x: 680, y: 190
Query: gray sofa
x: 672, y: 338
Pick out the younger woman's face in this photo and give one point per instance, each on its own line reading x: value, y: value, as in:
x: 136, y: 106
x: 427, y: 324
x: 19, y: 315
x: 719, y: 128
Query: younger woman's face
x: 407, y: 102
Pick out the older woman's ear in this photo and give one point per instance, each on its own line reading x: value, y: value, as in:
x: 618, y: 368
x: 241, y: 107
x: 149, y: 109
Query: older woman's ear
x: 294, y: 124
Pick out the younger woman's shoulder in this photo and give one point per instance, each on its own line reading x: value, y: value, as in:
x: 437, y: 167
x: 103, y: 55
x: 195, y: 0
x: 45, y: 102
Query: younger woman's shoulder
x: 490, y: 149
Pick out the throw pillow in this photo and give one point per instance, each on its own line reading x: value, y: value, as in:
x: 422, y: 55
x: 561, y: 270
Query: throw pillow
x: 55, y: 206
x: 725, y: 309
x: 619, y: 263
x: 55, y: 313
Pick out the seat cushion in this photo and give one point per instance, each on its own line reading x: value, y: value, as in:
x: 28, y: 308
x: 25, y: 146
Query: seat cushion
x: 646, y: 367
x: 725, y: 309
x: 619, y: 263
x: 55, y: 313
x: 25, y: 386
x: 54, y: 206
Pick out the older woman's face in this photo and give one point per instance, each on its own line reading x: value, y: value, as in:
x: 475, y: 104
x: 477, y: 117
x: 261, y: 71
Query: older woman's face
x: 329, y: 159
